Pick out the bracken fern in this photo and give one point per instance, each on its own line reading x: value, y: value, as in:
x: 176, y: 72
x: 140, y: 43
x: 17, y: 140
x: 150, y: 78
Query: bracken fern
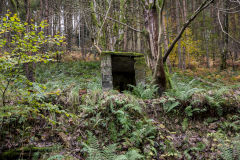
x: 96, y: 152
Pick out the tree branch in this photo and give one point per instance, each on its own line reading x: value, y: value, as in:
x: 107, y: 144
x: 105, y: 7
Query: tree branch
x: 224, y: 30
x: 99, y: 32
x: 204, y: 5
x: 124, y: 24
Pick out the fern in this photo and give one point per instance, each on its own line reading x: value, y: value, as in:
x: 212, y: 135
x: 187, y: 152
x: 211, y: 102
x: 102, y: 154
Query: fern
x: 56, y: 157
x: 231, y: 151
x: 227, y: 153
x: 133, y: 155
x: 169, y: 106
x: 144, y: 91
x: 95, y: 152
x: 183, y: 91
x: 93, y: 148
x: 118, y: 117
x: 216, y: 99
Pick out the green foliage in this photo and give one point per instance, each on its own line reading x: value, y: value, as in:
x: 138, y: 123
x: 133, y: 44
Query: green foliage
x: 183, y: 91
x: 118, y: 117
x: 217, y: 99
x: 14, y: 114
x: 144, y: 91
x: 190, y: 110
x: 56, y: 157
x: 189, y: 96
x: 64, y: 81
x: 62, y: 75
x: 190, y: 45
x: 169, y: 104
x: 230, y: 151
x: 20, y: 43
x: 232, y: 123
x: 95, y: 151
x: 185, y: 124
x: 199, y: 148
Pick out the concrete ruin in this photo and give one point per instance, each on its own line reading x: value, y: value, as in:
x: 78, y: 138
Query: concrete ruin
x: 119, y: 69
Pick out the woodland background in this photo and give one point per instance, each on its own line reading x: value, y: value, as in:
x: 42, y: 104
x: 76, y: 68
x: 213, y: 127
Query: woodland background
x: 52, y: 102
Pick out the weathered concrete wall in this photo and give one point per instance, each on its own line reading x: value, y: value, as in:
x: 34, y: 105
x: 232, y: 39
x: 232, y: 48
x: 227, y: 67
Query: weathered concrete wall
x: 106, y: 70
x: 140, y: 70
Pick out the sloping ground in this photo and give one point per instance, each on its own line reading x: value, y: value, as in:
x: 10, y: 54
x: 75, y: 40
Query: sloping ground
x: 67, y: 116
x: 199, y: 132
x: 142, y: 127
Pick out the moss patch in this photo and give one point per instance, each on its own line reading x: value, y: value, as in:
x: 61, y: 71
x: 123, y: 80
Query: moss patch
x: 24, y: 152
x: 140, y: 61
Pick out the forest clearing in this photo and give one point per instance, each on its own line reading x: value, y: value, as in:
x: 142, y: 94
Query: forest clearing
x: 119, y: 79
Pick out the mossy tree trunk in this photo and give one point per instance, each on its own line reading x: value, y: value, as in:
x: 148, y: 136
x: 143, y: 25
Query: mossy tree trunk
x: 153, y: 24
x: 153, y: 10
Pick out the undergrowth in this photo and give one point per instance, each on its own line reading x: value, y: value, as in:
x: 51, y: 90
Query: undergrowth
x: 67, y: 99
x: 118, y: 118
x: 190, y: 97
x: 146, y: 91
x: 95, y: 151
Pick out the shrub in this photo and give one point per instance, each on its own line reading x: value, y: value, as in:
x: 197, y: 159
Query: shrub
x: 21, y: 44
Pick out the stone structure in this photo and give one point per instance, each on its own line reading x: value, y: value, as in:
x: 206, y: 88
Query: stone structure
x: 119, y: 69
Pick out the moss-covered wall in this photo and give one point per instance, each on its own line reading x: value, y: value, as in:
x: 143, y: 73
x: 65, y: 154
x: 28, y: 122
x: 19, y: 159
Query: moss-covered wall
x: 140, y: 70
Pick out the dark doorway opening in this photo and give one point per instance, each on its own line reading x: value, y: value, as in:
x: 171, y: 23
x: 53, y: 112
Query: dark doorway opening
x: 123, y: 72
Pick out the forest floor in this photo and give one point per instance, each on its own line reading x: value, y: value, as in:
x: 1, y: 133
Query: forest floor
x: 65, y: 115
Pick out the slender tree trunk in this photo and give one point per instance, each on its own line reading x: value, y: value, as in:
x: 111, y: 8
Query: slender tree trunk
x: 207, y: 55
x: 234, y: 44
x: 29, y: 67
x: 138, y: 28
x: 184, y: 20
x: 46, y: 15
x: 165, y: 36
x: 180, y: 64
x: 2, y: 4
x: 69, y: 29
x: 225, y: 38
x: 125, y: 41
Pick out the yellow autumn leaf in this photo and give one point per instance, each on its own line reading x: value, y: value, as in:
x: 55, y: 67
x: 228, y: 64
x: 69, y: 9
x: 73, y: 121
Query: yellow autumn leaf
x: 162, y: 126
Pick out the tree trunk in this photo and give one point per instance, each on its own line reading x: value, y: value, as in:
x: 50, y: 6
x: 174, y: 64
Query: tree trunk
x: 180, y: 64
x: 69, y: 29
x: 138, y: 28
x: 184, y: 20
x: 29, y: 67
x: 153, y: 27
x: 165, y: 36
x: 2, y: 4
x: 225, y: 38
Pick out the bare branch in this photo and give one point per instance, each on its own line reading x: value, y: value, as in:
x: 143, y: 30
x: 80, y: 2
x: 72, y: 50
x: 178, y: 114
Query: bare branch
x: 124, y: 24
x: 225, y: 31
x: 106, y: 15
x: 204, y: 5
